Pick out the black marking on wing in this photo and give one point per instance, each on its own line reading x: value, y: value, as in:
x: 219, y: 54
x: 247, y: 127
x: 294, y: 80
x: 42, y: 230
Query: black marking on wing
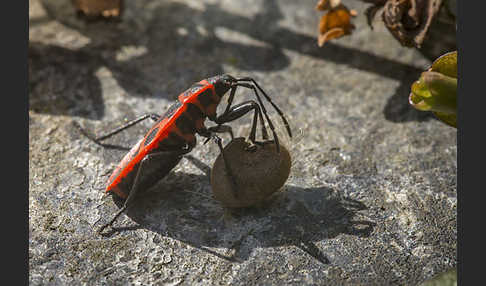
x: 172, y: 141
x: 185, y: 124
x: 205, y: 97
x: 194, y: 112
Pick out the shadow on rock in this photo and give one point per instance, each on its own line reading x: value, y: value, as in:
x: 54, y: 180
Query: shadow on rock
x: 62, y: 81
x: 297, y: 217
x: 178, y: 46
x: 441, y: 39
x: 183, y: 45
x: 398, y: 109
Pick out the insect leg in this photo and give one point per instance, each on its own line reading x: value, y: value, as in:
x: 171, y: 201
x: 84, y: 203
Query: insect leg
x: 218, y: 140
x: 134, y: 189
x: 228, y: 109
x: 210, y: 135
x: 230, y: 98
x: 117, y: 130
x: 275, y: 137
x: 238, y: 111
x: 220, y: 128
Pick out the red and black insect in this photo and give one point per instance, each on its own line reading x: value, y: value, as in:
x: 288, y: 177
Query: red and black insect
x: 173, y: 134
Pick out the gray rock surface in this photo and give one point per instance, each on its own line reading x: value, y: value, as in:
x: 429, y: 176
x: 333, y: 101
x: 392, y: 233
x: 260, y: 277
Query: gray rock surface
x: 371, y: 199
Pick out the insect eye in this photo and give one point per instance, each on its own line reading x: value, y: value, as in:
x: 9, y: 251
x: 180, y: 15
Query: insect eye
x: 227, y: 79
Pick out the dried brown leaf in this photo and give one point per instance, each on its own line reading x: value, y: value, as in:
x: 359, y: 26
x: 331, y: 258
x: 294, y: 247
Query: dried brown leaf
x: 324, y: 5
x: 105, y: 8
x: 407, y: 20
x: 335, y: 24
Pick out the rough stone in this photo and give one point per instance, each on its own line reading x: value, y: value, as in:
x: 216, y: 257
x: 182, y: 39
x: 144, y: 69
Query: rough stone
x: 371, y: 198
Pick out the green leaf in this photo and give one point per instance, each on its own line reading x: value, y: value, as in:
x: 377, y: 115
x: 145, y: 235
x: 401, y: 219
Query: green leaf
x: 436, y: 89
x: 446, y: 64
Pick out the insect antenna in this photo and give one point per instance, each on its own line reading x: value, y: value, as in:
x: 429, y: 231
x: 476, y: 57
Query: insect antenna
x: 286, y: 123
x: 264, y: 110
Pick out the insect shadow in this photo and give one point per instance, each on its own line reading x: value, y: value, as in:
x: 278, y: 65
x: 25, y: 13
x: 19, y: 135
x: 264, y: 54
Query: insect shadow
x: 300, y: 217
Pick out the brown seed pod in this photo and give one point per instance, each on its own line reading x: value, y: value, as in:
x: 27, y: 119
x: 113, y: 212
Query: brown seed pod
x: 258, y: 173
